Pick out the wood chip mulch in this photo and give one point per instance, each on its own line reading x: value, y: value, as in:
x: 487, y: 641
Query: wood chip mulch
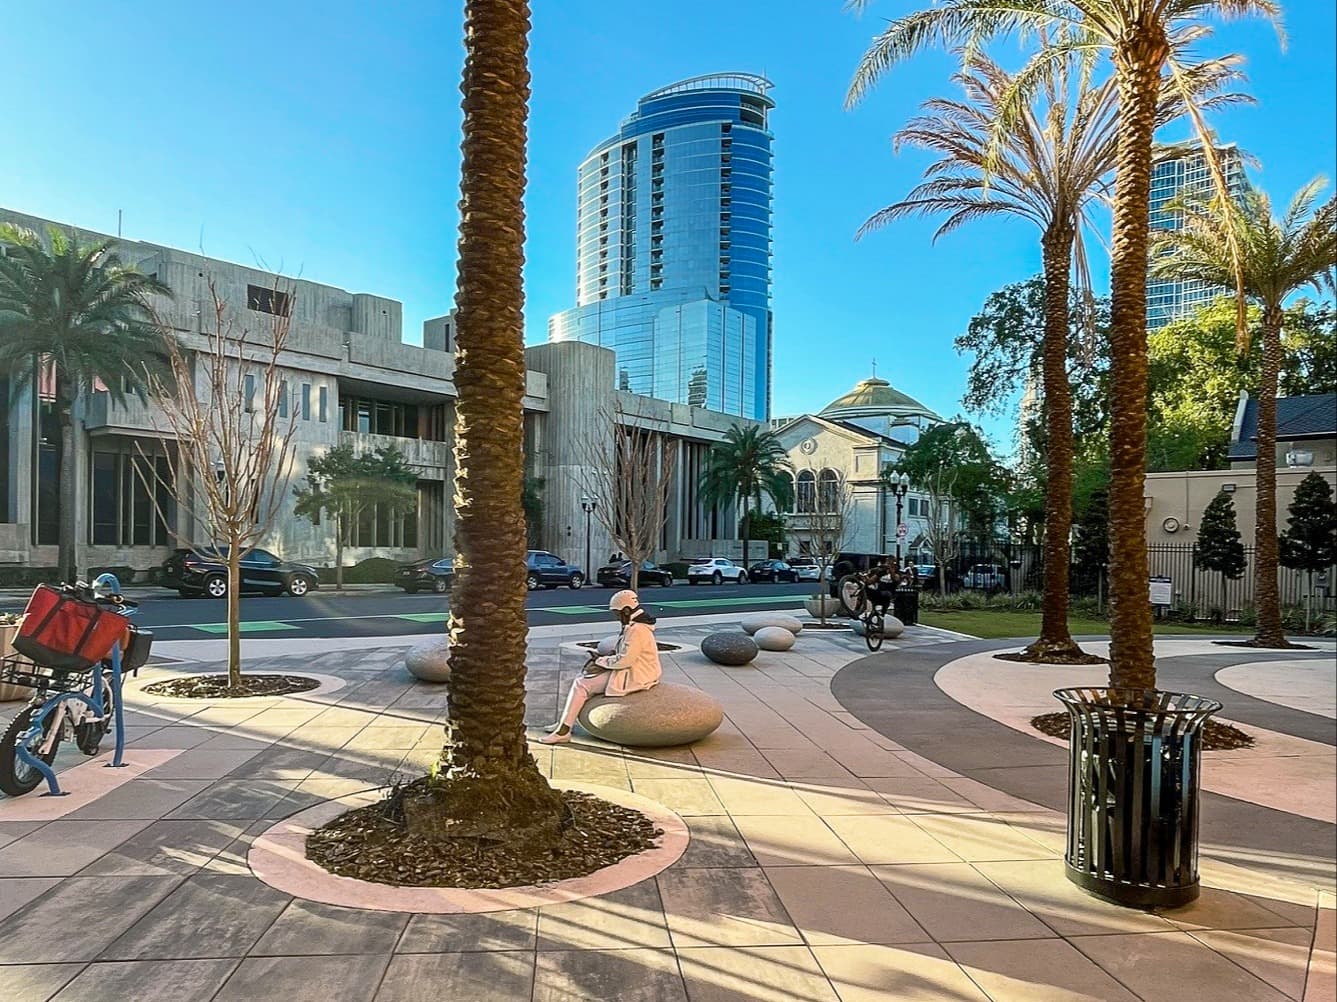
x: 216, y: 686
x: 373, y: 843
x: 1216, y: 735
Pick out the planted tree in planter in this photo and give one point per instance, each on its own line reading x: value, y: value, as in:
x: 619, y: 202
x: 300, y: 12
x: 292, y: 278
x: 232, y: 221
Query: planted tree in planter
x: 344, y: 484
x: 1219, y: 547
x: 1310, y: 541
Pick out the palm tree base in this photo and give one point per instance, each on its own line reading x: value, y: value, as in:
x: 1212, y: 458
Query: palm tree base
x: 509, y: 805
x: 1054, y: 652
x: 1272, y: 643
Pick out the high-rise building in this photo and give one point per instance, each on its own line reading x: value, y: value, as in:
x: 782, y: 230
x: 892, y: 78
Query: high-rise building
x: 1183, y: 167
x: 673, y: 246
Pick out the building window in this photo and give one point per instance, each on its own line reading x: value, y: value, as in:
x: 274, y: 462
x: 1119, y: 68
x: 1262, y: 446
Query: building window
x: 131, y: 503
x: 807, y: 492
x: 271, y: 301
x: 378, y: 526
x: 828, y: 492
x: 248, y: 393
x: 394, y: 418
x: 306, y: 401
x: 283, y: 399
x: 323, y: 404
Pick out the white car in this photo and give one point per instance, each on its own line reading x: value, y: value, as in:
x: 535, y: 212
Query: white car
x: 808, y: 568
x: 716, y: 570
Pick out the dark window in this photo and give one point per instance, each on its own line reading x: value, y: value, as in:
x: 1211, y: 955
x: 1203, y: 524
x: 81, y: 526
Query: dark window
x: 248, y: 393
x: 131, y: 500
x: 323, y: 405
x: 106, y: 499
x: 270, y: 301
x: 306, y: 401
x: 283, y: 399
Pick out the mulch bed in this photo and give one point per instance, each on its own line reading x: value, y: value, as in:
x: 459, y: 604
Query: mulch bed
x: 1054, y: 659
x: 216, y: 686
x: 373, y: 843
x: 1262, y: 647
x: 1216, y: 735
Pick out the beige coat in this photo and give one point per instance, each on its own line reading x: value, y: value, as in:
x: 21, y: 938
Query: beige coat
x: 635, y: 665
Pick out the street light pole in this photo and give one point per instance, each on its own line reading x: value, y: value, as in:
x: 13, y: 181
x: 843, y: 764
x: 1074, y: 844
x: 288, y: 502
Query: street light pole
x: 588, y: 504
x: 900, y: 486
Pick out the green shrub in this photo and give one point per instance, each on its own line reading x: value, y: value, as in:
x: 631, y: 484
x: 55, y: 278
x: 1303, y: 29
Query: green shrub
x: 26, y: 577
x: 677, y: 568
x: 373, y: 570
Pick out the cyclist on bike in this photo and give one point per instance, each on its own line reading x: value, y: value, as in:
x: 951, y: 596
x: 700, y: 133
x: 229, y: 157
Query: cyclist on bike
x: 879, y: 585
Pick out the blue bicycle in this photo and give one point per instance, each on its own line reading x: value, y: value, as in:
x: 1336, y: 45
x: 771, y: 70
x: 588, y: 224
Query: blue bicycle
x: 78, y: 705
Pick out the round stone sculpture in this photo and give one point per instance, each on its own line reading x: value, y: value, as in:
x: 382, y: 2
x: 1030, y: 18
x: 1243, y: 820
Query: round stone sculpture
x: 891, y: 627
x: 773, y: 638
x: 730, y: 649
x: 761, y: 620
x: 660, y: 717
x: 607, y: 646
x: 429, y: 659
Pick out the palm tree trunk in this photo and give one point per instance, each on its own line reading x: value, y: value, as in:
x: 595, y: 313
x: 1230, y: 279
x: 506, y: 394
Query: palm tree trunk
x: 1138, y: 64
x: 65, y: 477
x: 1266, y: 597
x: 491, y: 784
x: 1055, y: 641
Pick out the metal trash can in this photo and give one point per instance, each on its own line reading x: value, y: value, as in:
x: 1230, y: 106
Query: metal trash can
x: 905, y: 605
x: 1135, y: 758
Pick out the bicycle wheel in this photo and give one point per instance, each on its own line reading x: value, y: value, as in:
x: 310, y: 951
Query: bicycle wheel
x: 872, y: 631
x: 16, y: 776
x: 88, y: 734
x: 850, y: 591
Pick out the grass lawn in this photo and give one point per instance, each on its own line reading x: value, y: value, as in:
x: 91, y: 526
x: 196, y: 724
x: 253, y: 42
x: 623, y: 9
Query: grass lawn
x: 995, y: 623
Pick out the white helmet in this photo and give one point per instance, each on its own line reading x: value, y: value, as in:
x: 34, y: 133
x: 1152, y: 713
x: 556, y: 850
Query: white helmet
x: 625, y: 599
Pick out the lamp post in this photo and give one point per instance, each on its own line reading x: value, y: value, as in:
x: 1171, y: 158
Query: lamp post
x: 588, y: 504
x: 900, y: 486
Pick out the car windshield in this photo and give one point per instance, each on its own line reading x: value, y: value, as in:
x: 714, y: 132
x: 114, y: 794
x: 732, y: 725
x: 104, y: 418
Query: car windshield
x: 699, y: 561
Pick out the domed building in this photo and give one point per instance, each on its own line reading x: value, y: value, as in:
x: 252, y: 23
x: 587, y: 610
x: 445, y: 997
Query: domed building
x: 838, y: 456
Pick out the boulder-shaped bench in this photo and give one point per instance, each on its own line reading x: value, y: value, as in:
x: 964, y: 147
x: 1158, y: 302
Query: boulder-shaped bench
x: 761, y: 620
x: 429, y: 659
x: 891, y: 627
x: 660, y: 717
x: 773, y: 638
x: 730, y: 649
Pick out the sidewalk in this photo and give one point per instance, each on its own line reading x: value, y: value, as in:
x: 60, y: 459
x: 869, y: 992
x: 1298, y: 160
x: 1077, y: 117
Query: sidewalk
x: 829, y: 859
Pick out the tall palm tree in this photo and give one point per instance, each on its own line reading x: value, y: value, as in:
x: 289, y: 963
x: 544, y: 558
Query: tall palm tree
x: 491, y: 784
x: 748, y: 465
x: 74, y: 308
x: 1146, y: 40
x: 1275, y: 258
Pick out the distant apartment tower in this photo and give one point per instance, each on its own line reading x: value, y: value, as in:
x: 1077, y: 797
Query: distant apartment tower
x: 1179, y: 168
x: 673, y: 246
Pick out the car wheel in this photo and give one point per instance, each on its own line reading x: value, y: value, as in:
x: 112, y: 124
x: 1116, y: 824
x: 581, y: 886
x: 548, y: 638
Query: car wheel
x: 216, y: 586
x: 576, y: 581
x: 742, y: 578
x: 717, y: 578
x: 299, y: 585
x: 440, y: 586
x: 532, y: 582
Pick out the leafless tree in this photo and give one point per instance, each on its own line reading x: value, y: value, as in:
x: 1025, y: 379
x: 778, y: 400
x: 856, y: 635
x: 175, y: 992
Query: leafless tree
x: 940, y: 526
x: 631, y: 470
x: 828, y: 526
x: 225, y: 407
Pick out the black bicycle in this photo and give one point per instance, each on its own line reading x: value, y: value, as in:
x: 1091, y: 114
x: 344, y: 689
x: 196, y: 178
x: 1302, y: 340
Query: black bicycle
x: 855, y: 597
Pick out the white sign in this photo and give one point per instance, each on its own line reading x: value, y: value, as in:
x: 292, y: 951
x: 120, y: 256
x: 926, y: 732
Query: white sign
x: 902, y: 531
x: 1162, y: 591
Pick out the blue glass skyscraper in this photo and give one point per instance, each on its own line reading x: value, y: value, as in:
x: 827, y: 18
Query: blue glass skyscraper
x: 673, y: 246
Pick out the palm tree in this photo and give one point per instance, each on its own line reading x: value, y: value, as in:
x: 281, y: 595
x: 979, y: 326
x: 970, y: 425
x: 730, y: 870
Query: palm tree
x: 488, y: 783
x: 748, y: 465
x: 1218, y: 241
x: 75, y: 309
x: 1146, y: 40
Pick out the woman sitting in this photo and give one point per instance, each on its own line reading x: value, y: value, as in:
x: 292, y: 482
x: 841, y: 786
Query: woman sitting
x: 633, y: 667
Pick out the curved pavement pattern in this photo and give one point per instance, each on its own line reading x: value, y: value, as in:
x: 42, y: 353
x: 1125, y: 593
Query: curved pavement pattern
x: 895, y: 694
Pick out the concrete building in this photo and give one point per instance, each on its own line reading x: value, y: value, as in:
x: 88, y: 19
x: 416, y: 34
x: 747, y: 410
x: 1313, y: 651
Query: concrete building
x: 673, y: 246
x: 352, y: 381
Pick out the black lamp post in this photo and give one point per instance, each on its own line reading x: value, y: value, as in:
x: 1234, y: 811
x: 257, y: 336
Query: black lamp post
x: 588, y: 504
x: 900, y: 486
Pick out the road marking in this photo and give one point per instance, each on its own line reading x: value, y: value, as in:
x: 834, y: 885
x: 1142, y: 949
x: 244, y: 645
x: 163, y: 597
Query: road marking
x: 688, y: 603
x: 253, y: 626
x: 420, y: 617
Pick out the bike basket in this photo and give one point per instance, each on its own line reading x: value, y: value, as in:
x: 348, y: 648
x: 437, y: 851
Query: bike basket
x: 136, y: 650
x: 65, y: 633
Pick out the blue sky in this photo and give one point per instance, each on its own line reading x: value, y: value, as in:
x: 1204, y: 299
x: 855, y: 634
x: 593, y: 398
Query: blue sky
x: 323, y: 138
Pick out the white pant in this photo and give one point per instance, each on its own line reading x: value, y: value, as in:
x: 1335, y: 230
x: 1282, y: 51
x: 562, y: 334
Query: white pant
x: 581, y: 690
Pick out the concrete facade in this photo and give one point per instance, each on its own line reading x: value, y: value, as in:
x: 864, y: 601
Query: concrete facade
x: 1174, y: 501
x: 354, y: 382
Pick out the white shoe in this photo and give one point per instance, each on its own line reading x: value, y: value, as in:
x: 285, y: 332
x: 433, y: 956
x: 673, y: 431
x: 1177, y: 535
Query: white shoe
x: 555, y: 738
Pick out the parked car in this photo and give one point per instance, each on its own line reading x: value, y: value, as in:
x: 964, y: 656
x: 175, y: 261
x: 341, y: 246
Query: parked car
x: 806, y: 568
x: 433, y: 574
x: 771, y: 570
x: 716, y: 570
x: 618, y: 575
x: 547, y: 570
x: 926, y: 575
x: 203, y: 571
x: 986, y: 577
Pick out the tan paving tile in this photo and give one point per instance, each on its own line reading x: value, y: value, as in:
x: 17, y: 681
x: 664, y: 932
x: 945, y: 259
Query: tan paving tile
x: 1042, y: 888
x: 757, y: 796
x: 630, y: 917
x: 687, y: 796
x: 890, y: 838
x: 1045, y: 970
x: 1173, y: 965
x: 834, y: 905
x: 911, y: 973
x: 841, y: 795
x: 797, y: 763
x: 955, y: 903
x: 1217, y: 908
x: 980, y: 838
x: 920, y: 795
x: 780, y: 840
x: 1278, y: 956
x: 724, y: 907
x: 636, y: 975
x: 754, y: 974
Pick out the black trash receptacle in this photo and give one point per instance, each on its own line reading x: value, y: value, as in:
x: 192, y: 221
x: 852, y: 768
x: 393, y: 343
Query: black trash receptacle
x: 1135, y: 759
x: 905, y: 605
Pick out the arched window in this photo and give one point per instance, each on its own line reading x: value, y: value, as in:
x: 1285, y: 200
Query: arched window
x: 828, y: 492
x: 806, y: 492
x: 792, y: 504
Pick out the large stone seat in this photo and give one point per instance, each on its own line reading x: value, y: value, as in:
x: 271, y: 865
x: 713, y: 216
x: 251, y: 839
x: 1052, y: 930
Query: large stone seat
x: 891, y: 627
x: 773, y: 638
x: 730, y: 649
x: 761, y: 620
x: 429, y: 659
x: 660, y: 717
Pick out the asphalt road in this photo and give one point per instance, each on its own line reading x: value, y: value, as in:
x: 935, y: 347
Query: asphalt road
x: 387, y: 614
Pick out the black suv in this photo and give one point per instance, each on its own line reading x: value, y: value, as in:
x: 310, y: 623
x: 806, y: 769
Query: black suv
x: 435, y: 574
x: 618, y: 575
x: 772, y: 570
x: 547, y: 570
x: 193, y: 573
